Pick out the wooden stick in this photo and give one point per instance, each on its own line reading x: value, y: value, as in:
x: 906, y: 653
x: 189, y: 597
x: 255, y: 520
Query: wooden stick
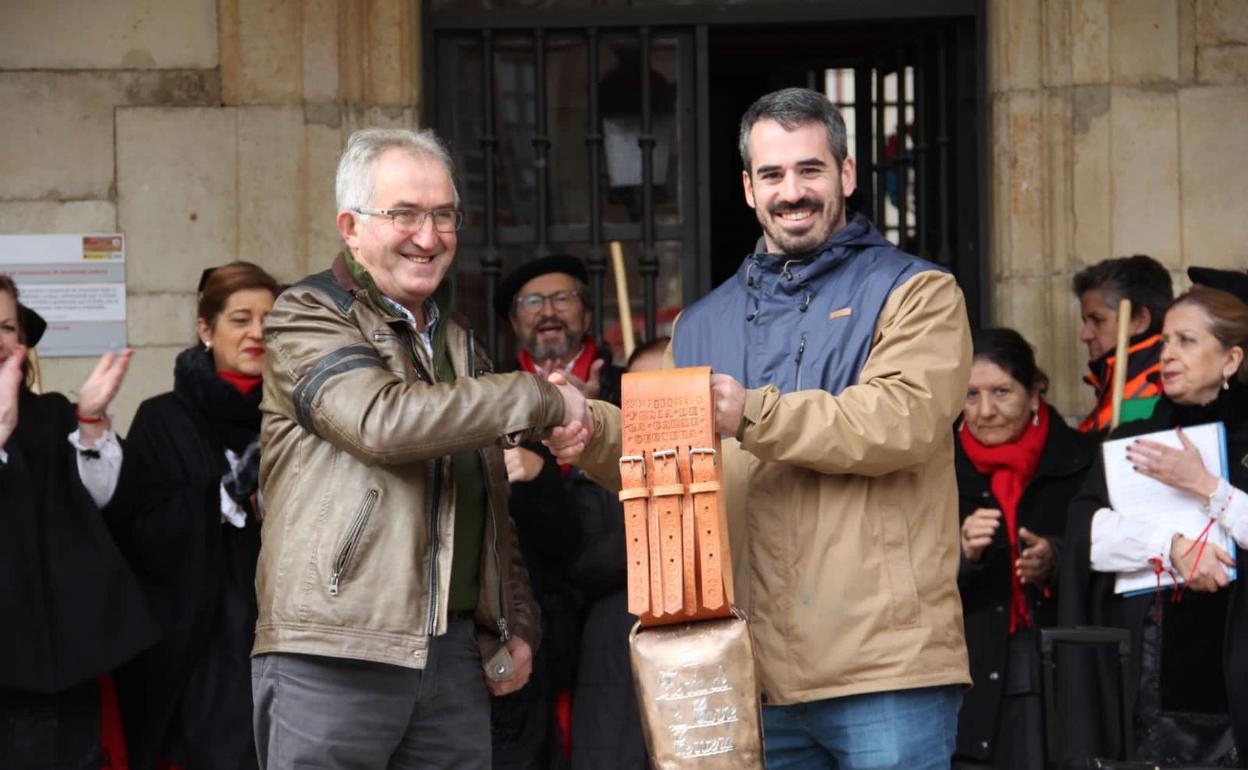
x: 621, y: 297
x: 36, y: 384
x: 1121, y: 356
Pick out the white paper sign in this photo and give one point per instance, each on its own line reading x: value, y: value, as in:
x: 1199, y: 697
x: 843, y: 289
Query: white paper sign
x: 77, y: 283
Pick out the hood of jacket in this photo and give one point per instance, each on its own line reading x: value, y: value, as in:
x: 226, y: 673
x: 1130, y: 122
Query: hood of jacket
x: 801, y: 317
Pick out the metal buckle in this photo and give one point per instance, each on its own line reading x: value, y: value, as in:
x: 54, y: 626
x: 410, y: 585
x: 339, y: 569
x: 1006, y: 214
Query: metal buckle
x: 663, y: 454
x: 634, y: 459
x: 701, y: 450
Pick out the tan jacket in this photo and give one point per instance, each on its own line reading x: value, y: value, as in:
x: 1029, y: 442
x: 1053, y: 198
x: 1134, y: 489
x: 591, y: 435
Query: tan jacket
x: 843, y: 511
x: 355, y: 559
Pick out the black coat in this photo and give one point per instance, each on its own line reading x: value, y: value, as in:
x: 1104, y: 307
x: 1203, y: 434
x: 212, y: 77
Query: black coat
x: 72, y: 609
x: 1219, y: 621
x: 985, y: 584
x: 571, y: 533
x: 190, y: 695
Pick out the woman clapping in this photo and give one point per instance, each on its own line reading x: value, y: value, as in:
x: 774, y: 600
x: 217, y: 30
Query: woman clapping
x: 72, y: 609
x: 1018, y: 465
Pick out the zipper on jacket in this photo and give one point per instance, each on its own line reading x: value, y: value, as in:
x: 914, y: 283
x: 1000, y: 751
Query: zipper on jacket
x: 801, y: 348
x: 351, y: 543
x: 417, y: 366
x: 435, y: 495
x: 504, y: 632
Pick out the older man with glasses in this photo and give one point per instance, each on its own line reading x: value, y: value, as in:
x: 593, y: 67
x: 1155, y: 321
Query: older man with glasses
x: 392, y: 598
x: 572, y: 536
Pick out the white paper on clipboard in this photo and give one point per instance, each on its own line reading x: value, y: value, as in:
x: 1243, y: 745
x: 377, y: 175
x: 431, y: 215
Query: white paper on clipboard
x: 1136, y: 496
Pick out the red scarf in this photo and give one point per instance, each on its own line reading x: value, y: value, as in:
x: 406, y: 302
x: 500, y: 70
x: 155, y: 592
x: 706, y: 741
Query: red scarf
x: 579, y: 367
x: 1009, y: 468
x: 244, y: 382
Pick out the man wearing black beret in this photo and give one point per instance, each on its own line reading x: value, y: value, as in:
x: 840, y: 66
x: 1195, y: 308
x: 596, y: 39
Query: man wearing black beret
x: 548, y: 305
x: 579, y: 706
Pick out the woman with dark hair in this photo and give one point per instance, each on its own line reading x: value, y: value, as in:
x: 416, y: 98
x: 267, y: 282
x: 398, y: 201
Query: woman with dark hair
x: 1190, y: 659
x: 1017, y: 465
x: 188, y: 499
x: 72, y: 609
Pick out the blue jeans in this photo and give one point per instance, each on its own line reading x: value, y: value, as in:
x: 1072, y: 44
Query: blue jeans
x: 910, y: 729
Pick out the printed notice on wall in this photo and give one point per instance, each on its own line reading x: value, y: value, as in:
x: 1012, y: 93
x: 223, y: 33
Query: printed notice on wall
x: 77, y: 283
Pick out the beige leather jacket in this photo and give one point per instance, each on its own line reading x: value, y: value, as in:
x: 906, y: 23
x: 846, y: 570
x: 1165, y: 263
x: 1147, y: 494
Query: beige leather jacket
x: 843, y: 511
x: 355, y: 559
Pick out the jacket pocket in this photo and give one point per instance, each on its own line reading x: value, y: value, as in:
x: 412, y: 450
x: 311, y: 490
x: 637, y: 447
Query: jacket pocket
x: 904, y: 607
x: 346, y: 550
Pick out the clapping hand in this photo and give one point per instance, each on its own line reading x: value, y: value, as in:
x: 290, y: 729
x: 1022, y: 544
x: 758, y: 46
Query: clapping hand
x: 591, y: 386
x: 10, y: 385
x: 977, y: 531
x: 1035, y: 563
x: 101, y: 387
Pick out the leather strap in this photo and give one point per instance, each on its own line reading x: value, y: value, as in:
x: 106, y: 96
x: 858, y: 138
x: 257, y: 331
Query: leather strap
x: 705, y: 492
x: 678, y: 556
x: 635, y: 494
x: 668, y: 494
x: 688, y: 543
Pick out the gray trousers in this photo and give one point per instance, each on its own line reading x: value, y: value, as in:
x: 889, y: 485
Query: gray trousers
x: 340, y: 714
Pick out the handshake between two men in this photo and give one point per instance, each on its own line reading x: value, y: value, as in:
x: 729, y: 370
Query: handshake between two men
x: 568, y: 441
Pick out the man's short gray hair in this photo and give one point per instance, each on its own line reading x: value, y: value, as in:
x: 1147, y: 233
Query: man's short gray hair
x: 793, y: 107
x: 353, y: 185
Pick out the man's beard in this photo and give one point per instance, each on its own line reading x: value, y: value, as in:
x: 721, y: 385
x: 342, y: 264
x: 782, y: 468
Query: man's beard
x: 811, y: 240
x: 556, y: 350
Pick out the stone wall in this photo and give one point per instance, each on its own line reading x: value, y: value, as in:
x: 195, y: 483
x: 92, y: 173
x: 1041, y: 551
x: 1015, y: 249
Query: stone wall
x: 1117, y: 127
x: 205, y: 130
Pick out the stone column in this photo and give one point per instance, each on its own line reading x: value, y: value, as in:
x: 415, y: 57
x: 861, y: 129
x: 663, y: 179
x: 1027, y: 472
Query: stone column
x: 1117, y: 127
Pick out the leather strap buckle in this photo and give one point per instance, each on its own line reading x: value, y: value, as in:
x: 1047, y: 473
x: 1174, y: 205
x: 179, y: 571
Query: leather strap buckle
x: 626, y: 459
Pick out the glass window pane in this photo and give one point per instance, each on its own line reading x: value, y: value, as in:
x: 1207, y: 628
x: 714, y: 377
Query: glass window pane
x: 620, y: 105
x: 568, y: 110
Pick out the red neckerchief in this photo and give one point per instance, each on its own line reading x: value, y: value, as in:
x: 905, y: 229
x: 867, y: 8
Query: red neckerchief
x: 579, y: 368
x: 245, y: 383
x: 1009, y: 467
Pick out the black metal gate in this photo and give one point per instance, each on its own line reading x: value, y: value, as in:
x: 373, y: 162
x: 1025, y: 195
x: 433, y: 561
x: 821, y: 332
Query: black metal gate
x: 607, y: 123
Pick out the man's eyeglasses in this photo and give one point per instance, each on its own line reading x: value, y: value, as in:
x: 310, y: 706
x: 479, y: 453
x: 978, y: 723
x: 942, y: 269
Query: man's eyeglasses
x: 408, y: 221
x: 532, y: 304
